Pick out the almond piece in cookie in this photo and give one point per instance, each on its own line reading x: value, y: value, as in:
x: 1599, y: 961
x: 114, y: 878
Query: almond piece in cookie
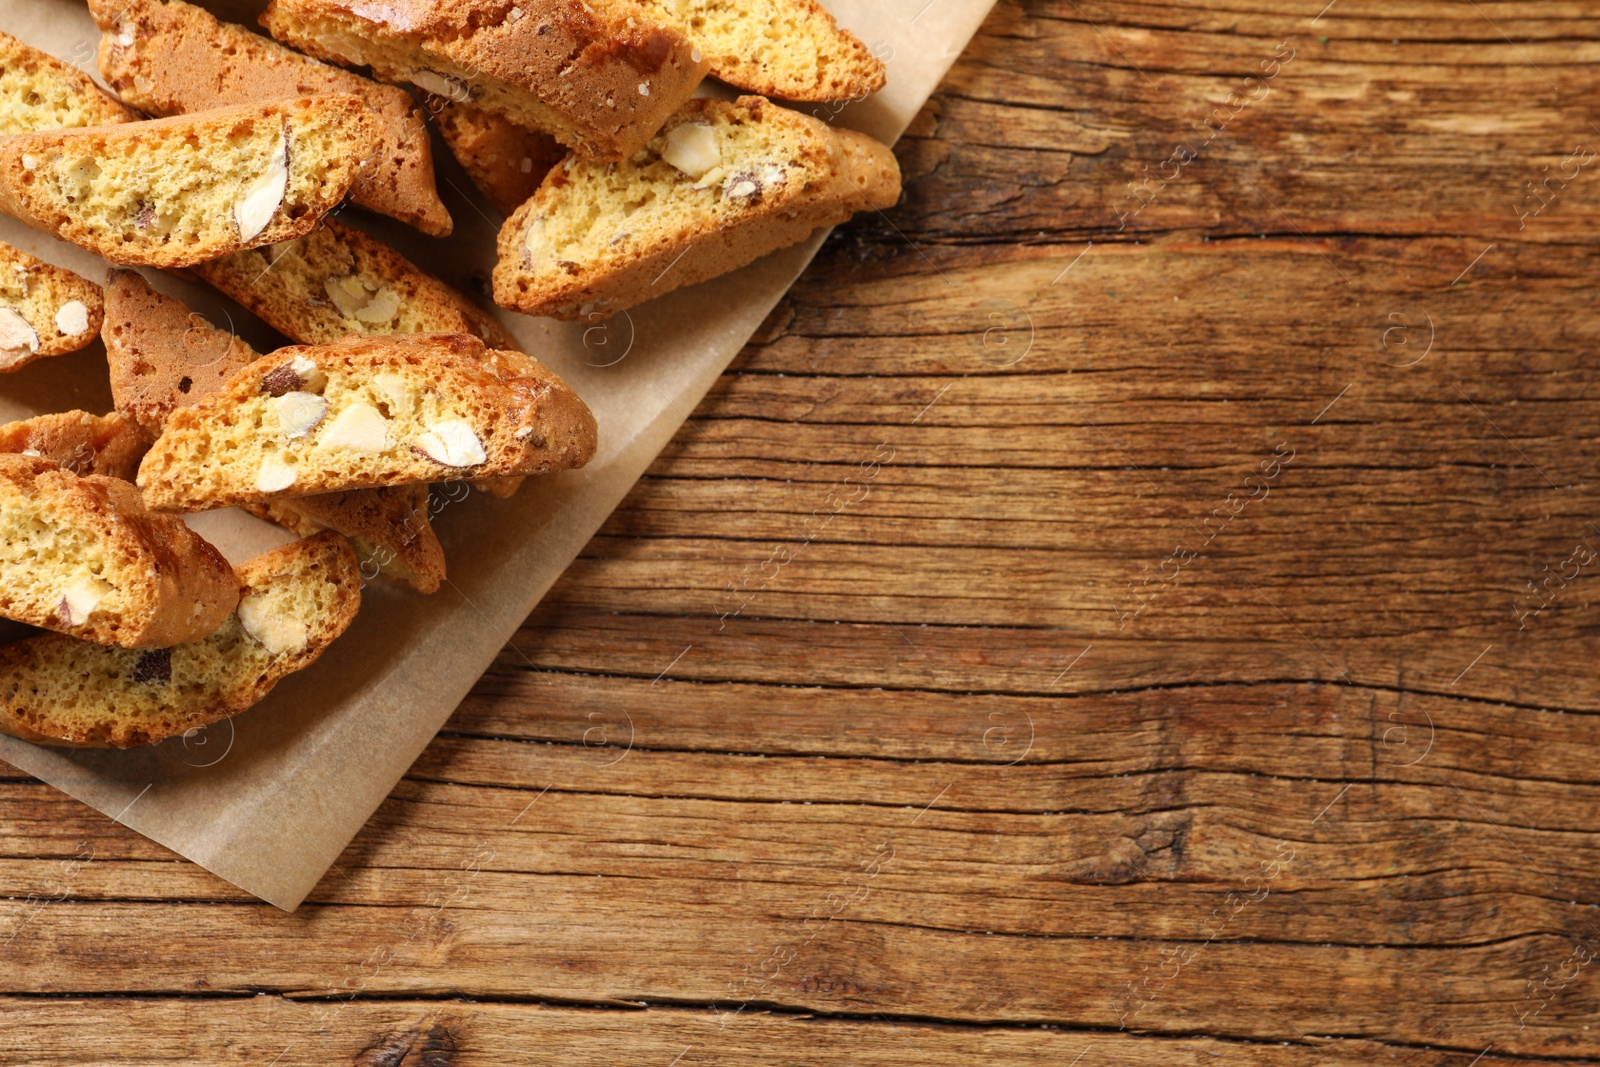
x: 505, y: 161
x: 336, y: 281
x: 178, y: 191
x: 599, y: 75
x: 792, y: 49
x: 722, y: 185
x: 80, y: 442
x: 45, y: 310
x: 168, y: 57
x: 81, y: 555
x: 39, y: 92
x: 363, y: 413
x: 293, y: 603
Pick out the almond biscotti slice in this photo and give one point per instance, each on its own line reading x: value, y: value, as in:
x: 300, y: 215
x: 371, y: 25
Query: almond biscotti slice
x: 722, y: 185
x: 362, y: 413
x: 505, y: 161
x: 162, y: 355
x: 83, y: 556
x: 168, y: 57
x: 163, y: 358
x: 39, y: 92
x: 337, y: 281
x: 600, y: 75
x: 294, y: 602
x: 389, y: 528
x: 788, y: 48
x: 178, y: 191
x: 45, y: 310
x: 80, y: 442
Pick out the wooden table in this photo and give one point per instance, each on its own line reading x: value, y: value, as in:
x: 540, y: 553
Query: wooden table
x: 1091, y: 624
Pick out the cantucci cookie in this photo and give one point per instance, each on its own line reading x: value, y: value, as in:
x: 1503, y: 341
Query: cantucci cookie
x: 80, y: 442
x: 162, y: 355
x: 39, y: 92
x: 363, y: 413
x: 45, y: 310
x: 293, y: 603
x: 601, y: 75
x: 337, y: 281
x: 389, y: 528
x: 168, y: 57
x: 81, y: 555
x: 163, y: 358
x: 178, y: 191
x: 505, y: 161
x: 788, y: 48
x: 723, y: 184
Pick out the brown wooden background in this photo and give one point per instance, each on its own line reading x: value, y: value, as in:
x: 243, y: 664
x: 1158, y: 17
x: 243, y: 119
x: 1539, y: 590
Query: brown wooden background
x: 939, y: 792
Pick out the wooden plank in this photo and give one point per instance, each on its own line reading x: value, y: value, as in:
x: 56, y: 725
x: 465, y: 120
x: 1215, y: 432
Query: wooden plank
x: 1131, y: 842
x: 404, y: 1033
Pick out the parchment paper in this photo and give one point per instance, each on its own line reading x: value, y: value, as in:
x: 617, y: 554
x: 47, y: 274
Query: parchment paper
x: 268, y: 800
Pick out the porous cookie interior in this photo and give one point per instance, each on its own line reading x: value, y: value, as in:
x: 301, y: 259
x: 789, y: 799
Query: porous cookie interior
x: 309, y: 424
x: 338, y: 292
x: 20, y: 292
x: 786, y: 45
x: 40, y: 99
x: 703, y: 172
x: 183, y: 185
x: 53, y: 566
x: 92, y: 693
x: 53, y: 311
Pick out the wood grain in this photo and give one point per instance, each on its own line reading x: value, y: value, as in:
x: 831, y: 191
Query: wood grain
x: 1117, y: 610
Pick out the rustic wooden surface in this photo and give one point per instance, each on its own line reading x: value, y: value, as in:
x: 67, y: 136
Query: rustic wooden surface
x: 1029, y: 743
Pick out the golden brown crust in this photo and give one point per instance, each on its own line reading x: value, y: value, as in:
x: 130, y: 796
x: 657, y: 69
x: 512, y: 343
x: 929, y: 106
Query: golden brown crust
x: 168, y: 57
x: 82, y: 443
x: 601, y: 76
x: 287, y: 285
x: 162, y: 356
x: 562, y: 423
x: 793, y: 49
x: 401, y: 396
x: 169, y: 585
x: 45, y: 310
x: 505, y: 161
x: 39, y: 92
x: 57, y: 690
x: 827, y: 176
x: 868, y: 175
x: 36, y: 167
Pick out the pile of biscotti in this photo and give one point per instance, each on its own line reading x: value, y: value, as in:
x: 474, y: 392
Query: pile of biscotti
x: 223, y: 153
